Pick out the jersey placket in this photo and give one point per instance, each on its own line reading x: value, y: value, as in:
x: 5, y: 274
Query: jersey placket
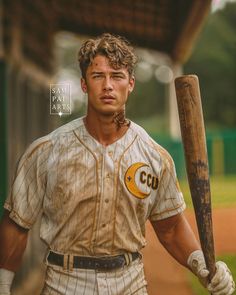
x: 105, y: 220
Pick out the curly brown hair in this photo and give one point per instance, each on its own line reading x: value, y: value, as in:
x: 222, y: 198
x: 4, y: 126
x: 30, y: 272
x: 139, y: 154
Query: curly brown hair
x: 116, y: 48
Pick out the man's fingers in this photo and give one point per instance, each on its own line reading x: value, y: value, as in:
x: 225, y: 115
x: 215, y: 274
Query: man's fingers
x: 222, y: 283
x: 221, y: 271
x: 203, y: 273
x: 228, y: 291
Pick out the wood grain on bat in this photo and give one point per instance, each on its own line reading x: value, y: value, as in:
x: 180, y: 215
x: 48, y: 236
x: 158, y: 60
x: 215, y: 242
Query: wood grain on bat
x: 194, y: 142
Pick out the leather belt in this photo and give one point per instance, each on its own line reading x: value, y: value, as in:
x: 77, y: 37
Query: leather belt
x: 104, y: 263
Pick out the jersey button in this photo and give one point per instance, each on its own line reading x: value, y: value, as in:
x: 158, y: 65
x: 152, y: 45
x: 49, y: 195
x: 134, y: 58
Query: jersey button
x: 103, y: 225
x: 106, y: 200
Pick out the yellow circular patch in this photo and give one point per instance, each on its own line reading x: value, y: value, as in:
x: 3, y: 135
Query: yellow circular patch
x: 130, y: 181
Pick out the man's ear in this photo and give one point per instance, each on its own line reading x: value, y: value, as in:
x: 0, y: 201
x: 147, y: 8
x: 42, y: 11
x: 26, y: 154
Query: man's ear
x: 83, y: 85
x: 131, y: 84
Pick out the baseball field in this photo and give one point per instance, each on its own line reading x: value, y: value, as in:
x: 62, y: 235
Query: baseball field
x: 223, y: 191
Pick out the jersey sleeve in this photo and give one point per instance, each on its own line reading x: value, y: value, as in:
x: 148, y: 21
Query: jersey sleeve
x: 169, y: 200
x: 26, y: 194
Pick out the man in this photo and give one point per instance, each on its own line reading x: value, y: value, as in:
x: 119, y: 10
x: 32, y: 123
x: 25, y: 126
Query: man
x: 97, y: 180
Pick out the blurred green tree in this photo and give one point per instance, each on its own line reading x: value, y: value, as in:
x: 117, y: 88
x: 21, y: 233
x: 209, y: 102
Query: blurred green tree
x: 214, y: 61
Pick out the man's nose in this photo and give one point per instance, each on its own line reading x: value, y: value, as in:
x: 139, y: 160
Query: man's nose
x: 107, y: 86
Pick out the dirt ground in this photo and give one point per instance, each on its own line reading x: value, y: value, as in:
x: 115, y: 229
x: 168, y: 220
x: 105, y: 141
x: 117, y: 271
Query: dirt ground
x: 164, y: 275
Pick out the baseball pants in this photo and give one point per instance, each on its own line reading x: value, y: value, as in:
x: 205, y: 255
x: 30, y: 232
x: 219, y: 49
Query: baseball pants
x: 128, y: 280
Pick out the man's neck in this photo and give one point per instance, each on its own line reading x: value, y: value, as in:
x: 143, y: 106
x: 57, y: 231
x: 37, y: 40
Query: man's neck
x: 104, y: 129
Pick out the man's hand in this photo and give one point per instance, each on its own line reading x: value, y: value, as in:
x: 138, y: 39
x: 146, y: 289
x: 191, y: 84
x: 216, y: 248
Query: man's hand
x: 221, y: 284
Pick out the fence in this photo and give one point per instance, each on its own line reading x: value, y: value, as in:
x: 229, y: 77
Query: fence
x: 221, y: 147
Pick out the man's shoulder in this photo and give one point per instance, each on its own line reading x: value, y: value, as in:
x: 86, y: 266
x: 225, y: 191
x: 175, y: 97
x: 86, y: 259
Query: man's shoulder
x: 66, y: 128
x: 143, y: 135
x: 45, y: 143
x: 148, y: 141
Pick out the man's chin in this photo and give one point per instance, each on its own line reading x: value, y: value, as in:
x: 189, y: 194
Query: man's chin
x: 108, y: 113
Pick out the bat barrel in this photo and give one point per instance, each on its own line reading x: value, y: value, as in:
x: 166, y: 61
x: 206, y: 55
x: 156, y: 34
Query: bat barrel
x: 194, y: 142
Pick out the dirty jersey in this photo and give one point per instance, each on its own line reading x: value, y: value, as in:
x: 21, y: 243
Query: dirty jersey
x: 94, y: 199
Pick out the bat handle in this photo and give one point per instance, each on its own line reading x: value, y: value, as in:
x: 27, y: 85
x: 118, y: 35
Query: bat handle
x: 210, y: 263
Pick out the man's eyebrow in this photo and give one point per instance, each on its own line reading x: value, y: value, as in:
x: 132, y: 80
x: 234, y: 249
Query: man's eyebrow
x: 118, y: 72
x: 112, y: 72
x: 96, y: 72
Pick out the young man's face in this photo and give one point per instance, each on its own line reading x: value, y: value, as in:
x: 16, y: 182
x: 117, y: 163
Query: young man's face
x: 107, y: 88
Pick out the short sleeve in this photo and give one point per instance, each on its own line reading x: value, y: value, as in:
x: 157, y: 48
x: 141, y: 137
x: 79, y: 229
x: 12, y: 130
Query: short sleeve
x: 169, y: 199
x: 26, y: 194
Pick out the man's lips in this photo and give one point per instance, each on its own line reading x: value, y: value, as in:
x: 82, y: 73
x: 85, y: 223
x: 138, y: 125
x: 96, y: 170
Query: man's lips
x: 107, y: 98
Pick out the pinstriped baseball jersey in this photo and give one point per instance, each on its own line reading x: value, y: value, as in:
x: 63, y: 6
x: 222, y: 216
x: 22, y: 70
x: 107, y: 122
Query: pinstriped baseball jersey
x: 95, y: 199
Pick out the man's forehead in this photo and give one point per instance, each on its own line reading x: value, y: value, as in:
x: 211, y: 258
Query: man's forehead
x: 102, y: 62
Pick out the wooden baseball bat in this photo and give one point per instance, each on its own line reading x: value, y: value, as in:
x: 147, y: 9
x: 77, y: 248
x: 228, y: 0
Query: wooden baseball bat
x: 195, y: 150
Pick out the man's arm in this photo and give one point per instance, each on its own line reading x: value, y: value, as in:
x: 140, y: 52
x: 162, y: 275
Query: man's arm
x: 176, y: 235
x: 13, y: 242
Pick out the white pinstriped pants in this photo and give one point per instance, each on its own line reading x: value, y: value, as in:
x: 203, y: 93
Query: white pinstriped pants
x: 128, y: 280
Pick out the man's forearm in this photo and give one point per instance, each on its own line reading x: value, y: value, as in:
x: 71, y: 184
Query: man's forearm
x: 177, y: 237
x: 13, y: 243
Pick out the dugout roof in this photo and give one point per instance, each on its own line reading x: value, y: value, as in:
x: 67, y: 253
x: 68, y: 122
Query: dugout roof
x: 169, y: 26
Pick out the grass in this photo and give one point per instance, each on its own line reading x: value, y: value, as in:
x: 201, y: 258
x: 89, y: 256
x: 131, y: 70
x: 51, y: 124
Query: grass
x: 223, y: 191
x: 197, y: 288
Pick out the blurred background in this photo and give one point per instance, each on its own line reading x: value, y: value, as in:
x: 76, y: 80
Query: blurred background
x: 39, y: 42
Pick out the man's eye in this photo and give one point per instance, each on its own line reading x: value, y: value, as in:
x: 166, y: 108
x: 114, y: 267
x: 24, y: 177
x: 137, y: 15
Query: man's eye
x: 96, y: 76
x: 118, y: 77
